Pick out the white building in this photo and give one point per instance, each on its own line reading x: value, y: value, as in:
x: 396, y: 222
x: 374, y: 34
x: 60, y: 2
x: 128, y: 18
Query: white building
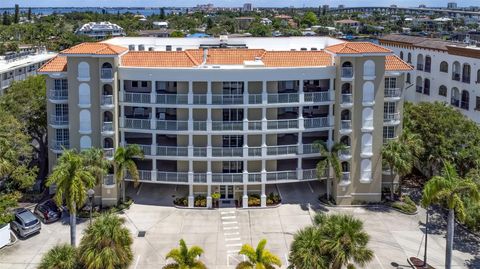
x: 100, y: 30
x: 444, y: 71
x: 233, y: 115
x: 15, y: 66
x: 247, y: 7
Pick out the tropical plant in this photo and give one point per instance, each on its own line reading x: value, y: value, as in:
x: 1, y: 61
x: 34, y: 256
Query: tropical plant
x: 106, y: 244
x: 72, y: 181
x: 96, y: 163
x: 398, y: 158
x: 331, y: 160
x: 305, y: 251
x: 448, y: 190
x: 124, y: 162
x: 258, y: 258
x: 60, y: 257
x: 184, y: 257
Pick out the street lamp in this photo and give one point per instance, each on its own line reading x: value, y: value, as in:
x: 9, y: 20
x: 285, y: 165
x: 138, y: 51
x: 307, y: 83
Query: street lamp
x: 91, y: 193
x: 425, y: 265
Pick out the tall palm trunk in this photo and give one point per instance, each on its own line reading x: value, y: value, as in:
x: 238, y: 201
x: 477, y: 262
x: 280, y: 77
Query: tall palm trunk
x: 450, y: 228
x: 328, y: 183
x: 73, y: 226
x: 392, y: 197
x: 124, y: 186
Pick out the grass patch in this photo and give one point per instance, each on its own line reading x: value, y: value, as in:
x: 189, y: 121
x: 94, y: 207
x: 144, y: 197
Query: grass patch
x: 405, y: 205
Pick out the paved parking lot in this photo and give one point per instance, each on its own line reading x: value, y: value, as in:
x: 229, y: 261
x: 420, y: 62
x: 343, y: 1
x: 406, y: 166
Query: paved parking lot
x: 394, y: 236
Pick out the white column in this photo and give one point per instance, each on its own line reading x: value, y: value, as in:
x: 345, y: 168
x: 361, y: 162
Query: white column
x: 301, y: 97
x: 191, y: 200
x: 190, y: 92
x: 153, y: 93
x: 209, y: 181
x: 263, y: 197
x: 122, y: 90
x: 209, y: 196
x: 153, y: 149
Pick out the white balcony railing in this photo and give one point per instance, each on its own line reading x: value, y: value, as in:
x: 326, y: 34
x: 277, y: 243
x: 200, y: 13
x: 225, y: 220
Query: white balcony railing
x: 136, y: 97
x: 106, y: 73
x: 282, y: 150
x: 60, y: 144
x: 178, y: 177
x: 345, y: 153
x: 7, y: 82
x: 345, y: 176
x: 254, y: 177
x: 108, y: 180
x: 200, y: 99
x: 346, y: 125
x: 347, y: 72
x: 200, y: 125
x: 227, y: 99
x: 172, y: 99
x: 255, y: 125
x: 391, y: 117
x: 347, y: 98
x: 392, y: 93
x: 276, y: 98
x: 316, y: 122
x: 282, y: 124
x: 310, y: 149
x: 108, y: 152
x: 200, y: 152
x: 227, y: 125
x: 59, y: 119
x: 58, y: 95
x: 282, y: 175
x: 254, y: 98
x: 107, y: 100
x: 254, y: 151
x: 309, y: 174
x: 316, y: 97
x: 172, y: 125
x: 137, y: 123
x: 227, y: 152
x: 200, y: 177
x: 172, y: 151
x: 146, y: 149
x: 227, y: 177
x: 107, y: 126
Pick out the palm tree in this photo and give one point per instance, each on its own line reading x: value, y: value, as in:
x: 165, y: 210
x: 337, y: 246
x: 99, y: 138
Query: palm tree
x: 259, y: 257
x: 60, y: 257
x: 124, y: 162
x: 185, y: 258
x: 331, y: 160
x: 448, y: 190
x: 72, y: 181
x: 305, y: 252
x: 344, y: 241
x: 96, y: 163
x: 398, y: 158
x: 106, y: 244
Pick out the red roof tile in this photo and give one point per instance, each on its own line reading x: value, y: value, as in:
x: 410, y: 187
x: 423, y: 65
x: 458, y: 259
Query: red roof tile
x: 357, y: 48
x: 56, y: 64
x: 394, y: 63
x: 95, y: 48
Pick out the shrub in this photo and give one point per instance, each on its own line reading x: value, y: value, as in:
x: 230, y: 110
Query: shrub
x: 200, y: 201
x: 254, y: 200
x: 181, y: 201
x: 406, y: 205
x: 273, y: 199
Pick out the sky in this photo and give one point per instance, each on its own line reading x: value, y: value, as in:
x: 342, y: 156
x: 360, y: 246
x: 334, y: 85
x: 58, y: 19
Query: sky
x: 228, y: 3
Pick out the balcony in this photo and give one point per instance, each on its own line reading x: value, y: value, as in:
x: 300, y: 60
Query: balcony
x: 107, y: 128
x: 59, y: 120
x: 227, y: 125
x: 106, y: 73
x: 109, y: 180
x: 391, y: 118
x: 310, y: 149
x: 200, y: 177
x: 393, y: 94
x: 135, y: 97
x: 345, y: 180
x: 254, y: 98
x: 174, y: 151
x: 345, y: 127
x: 6, y: 83
x: 172, y: 125
x: 465, y: 79
x: 456, y: 76
x: 175, y: 177
x: 345, y: 154
x: 420, y: 67
x: 282, y: 175
x: 310, y: 174
x: 347, y: 100
x: 254, y: 151
x: 107, y: 101
x: 58, y: 95
x: 108, y: 153
x: 59, y: 145
x: 254, y: 177
x: 283, y: 98
x: 347, y: 72
x: 199, y: 99
x: 455, y: 102
x: 137, y: 123
x: 388, y: 139
x: 227, y: 152
x: 282, y: 150
x: 144, y: 175
x: 146, y: 149
x: 282, y: 124
x: 227, y: 99
x: 316, y: 97
x: 200, y: 125
x: 172, y: 99
x: 199, y: 152
x: 227, y: 177
x: 255, y: 125
x: 311, y: 123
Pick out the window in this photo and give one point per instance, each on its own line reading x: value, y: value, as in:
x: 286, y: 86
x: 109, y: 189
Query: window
x: 388, y: 132
x: 390, y: 83
x: 369, y: 68
x: 466, y: 73
x: 455, y: 100
x: 409, y: 78
x: 144, y: 84
x: 367, y: 118
x: 428, y: 64
x: 366, y: 174
x: 477, y: 103
x: 85, y: 142
x: 478, y: 76
x: 368, y: 92
x: 419, y: 87
x: 420, y: 62
x: 61, y: 110
x: 444, y: 67
x: 168, y: 48
x: 389, y: 108
x: 85, y: 121
x: 401, y: 55
x: 232, y: 141
x: 442, y: 91
x: 426, y: 87
x: 62, y: 135
x: 232, y: 114
x: 465, y: 102
x: 409, y: 58
x: 106, y: 65
x: 232, y: 87
x: 287, y: 86
x: 456, y: 71
x: 84, y: 94
x: 61, y: 84
x: 83, y: 70
x: 232, y: 166
x: 367, y: 141
x: 134, y: 84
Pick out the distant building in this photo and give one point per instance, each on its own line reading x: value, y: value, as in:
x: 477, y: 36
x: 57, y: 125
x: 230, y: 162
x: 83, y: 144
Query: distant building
x: 452, y: 5
x: 160, y: 24
x: 16, y: 66
x: 422, y: 6
x: 204, y: 8
x: 286, y: 20
x: 247, y: 7
x: 266, y: 21
x: 100, y: 30
x: 244, y: 22
x: 341, y: 6
x: 155, y: 33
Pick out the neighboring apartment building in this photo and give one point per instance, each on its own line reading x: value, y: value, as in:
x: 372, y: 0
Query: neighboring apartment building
x: 15, y: 66
x: 231, y: 115
x: 444, y: 71
x: 100, y: 30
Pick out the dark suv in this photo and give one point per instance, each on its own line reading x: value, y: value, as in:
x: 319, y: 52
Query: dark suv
x: 25, y: 223
x: 48, y: 211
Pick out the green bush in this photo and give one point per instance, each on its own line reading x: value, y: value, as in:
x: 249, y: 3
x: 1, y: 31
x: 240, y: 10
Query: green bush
x: 200, y: 201
x: 254, y: 200
x: 406, y: 205
x: 180, y: 201
x: 273, y: 199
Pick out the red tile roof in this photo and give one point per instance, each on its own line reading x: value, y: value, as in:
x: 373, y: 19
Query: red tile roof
x: 55, y: 65
x: 296, y: 58
x: 394, y: 63
x: 95, y: 48
x: 157, y: 59
x: 357, y: 48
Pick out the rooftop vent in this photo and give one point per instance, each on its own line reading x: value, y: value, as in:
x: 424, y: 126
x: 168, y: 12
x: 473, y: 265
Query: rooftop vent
x: 223, y: 39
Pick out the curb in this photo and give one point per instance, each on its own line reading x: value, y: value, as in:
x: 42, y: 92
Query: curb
x: 373, y: 206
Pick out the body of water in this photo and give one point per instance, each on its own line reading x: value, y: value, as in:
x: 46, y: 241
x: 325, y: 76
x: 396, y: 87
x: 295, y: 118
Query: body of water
x: 110, y: 10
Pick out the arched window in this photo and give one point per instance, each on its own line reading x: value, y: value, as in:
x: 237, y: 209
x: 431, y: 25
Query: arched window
x: 409, y: 58
x: 401, y: 55
x: 456, y: 71
x: 455, y: 100
x: 368, y: 92
x: 367, y: 141
x: 466, y: 73
x: 346, y: 88
x: 345, y: 115
x: 444, y: 67
x: 367, y: 116
x: 419, y: 84
x: 84, y: 94
x: 465, y: 102
x: 107, y: 116
x: 428, y: 64
x: 85, y: 142
x: 426, y: 86
x: 442, y: 91
x: 85, y: 121
x: 107, y: 89
x: 345, y: 140
x: 478, y: 76
x: 420, y: 62
x: 106, y: 71
x: 83, y: 70
x: 366, y: 166
x: 108, y: 143
x: 345, y: 169
x: 106, y: 65
x: 369, y: 68
x: 347, y: 70
x: 409, y: 78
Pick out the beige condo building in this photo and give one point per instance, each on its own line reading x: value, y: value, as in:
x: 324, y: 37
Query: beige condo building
x: 230, y: 115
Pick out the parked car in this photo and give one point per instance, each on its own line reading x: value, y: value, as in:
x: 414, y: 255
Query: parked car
x: 48, y: 211
x: 25, y: 223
